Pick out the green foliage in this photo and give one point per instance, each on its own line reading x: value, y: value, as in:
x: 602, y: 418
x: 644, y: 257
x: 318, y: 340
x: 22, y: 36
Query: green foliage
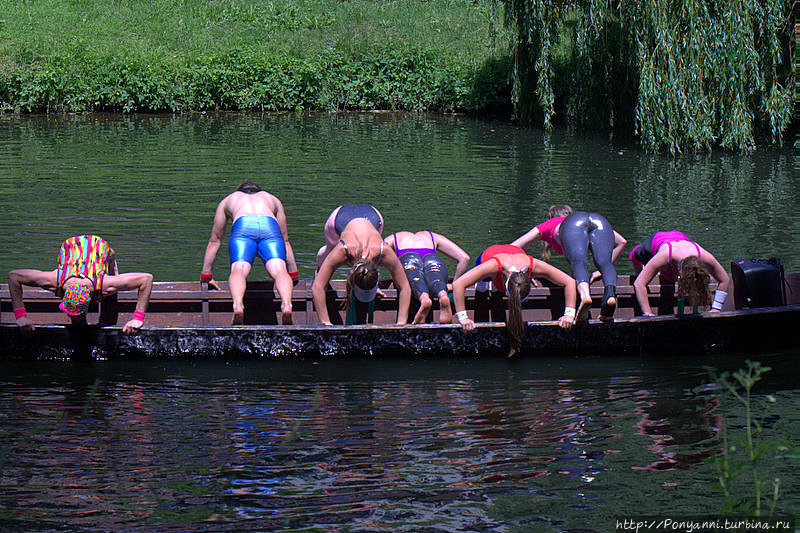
x: 194, y: 55
x: 741, y: 462
x: 686, y: 74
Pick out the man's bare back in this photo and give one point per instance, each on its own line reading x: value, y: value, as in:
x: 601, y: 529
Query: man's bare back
x: 239, y: 204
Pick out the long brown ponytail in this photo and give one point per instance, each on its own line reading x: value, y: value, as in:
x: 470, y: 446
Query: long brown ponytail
x: 364, y: 274
x: 518, y: 285
x: 693, y: 282
x: 553, y: 212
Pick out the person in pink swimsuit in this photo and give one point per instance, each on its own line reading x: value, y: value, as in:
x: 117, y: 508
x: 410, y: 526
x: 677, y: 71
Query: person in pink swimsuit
x: 676, y: 257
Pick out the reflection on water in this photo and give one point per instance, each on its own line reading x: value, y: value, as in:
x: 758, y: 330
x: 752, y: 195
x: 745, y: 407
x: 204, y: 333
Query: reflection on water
x: 431, y: 445
x: 150, y: 184
x: 387, y: 445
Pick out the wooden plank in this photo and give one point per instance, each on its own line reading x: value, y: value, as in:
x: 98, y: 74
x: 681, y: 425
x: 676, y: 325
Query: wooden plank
x: 189, y: 303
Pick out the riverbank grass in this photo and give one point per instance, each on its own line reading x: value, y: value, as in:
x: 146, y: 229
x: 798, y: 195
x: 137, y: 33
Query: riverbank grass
x: 171, y: 55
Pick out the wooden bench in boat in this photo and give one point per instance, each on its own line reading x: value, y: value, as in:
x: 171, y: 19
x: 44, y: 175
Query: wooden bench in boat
x: 186, y: 320
x: 192, y: 304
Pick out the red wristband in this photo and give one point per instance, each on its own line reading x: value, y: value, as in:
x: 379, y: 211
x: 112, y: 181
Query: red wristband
x: 205, y: 278
x: 138, y: 315
x: 19, y: 312
x: 295, y: 275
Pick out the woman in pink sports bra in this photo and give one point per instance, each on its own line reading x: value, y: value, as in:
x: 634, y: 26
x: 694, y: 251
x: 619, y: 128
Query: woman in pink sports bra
x: 676, y: 257
x: 426, y: 271
x: 510, y: 267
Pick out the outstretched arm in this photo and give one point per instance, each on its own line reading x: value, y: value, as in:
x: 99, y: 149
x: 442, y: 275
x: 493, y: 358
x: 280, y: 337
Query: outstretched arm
x: 619, y: 246
x: 214, y: 242
x: 526, y: 240
x: 334, y: 260
x: 143, y: 283
x: 647, y: 273
x: 32, y: 278
x: 559, y: 277
x: 453, y: 251
x: 391, y: 262
x: 460, y: 284
x: 723, y: 280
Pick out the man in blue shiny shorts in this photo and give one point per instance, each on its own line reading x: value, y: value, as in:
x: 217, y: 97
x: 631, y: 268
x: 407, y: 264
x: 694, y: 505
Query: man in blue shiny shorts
x: 259, y: 227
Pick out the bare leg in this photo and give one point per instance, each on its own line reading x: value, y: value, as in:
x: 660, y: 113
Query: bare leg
x: 585, y: 306
x: 425, y: 305
x: 331, y: 237
x: 283, y: 283
x: 445, y: 311
x: 237, y: 282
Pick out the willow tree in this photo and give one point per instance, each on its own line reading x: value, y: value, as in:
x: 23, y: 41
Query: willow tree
x: 681, y: 74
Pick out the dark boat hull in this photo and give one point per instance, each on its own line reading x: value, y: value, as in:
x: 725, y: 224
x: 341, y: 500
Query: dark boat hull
x: 746, y: 330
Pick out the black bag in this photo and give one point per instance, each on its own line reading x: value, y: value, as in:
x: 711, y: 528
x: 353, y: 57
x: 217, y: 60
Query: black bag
x: 758, y: 282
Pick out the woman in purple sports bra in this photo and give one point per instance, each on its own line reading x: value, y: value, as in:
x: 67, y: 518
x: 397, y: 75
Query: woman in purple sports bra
x: 426, y: 271
x: 676, y: 257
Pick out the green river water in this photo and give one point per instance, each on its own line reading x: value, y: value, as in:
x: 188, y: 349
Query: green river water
x: 541, y: 444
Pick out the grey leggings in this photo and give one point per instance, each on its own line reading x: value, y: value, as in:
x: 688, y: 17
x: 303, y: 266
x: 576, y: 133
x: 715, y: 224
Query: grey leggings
x: 428, y: 275
x: 580, y: 231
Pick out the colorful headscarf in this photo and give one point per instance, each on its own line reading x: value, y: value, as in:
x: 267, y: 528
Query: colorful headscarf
x: 76, y: 299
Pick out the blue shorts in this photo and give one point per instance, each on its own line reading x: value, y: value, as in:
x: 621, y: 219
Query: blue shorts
x: 256, y: 233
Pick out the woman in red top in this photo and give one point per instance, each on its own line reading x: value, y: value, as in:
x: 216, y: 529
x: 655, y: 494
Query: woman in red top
x: 510, y: 267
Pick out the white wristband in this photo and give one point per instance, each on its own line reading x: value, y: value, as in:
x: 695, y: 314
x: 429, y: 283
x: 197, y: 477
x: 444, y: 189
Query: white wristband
x: 719, y: 299
x: 569, y: 311
x: 461, y: 315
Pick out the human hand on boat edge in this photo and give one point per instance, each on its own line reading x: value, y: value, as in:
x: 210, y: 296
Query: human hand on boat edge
x: 133, y: 326
x: 466, y: 323
x: 26, y: 326
x: 566, y: 321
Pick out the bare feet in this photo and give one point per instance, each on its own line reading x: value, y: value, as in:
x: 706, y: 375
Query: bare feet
x: 238, y: 316
x: 286, y: 316
x: 584, y: 310
x: 425, y: 305
x: 445, y: 311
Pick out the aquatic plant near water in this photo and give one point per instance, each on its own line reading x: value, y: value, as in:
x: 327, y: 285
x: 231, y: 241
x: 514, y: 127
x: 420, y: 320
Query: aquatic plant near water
x: 744, y: 453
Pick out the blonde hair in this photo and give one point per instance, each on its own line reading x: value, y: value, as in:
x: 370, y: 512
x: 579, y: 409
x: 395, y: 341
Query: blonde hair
x: 554, y: 211
x: 364, y: 274
x: 518, y: 285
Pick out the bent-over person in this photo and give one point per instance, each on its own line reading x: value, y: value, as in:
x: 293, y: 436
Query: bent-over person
x: 426, y: 271
x: 677, y: 258
x: 86, y: 271
x: 259, y: 227
x: 353, y: 237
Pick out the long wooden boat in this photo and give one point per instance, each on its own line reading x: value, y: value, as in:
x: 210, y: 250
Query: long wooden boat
x: 187, y: 320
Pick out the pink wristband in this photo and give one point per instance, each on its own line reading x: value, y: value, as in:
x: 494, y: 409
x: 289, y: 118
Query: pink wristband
x: 205, y: 278
x: 138, y: 315
x: 19, y: 312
